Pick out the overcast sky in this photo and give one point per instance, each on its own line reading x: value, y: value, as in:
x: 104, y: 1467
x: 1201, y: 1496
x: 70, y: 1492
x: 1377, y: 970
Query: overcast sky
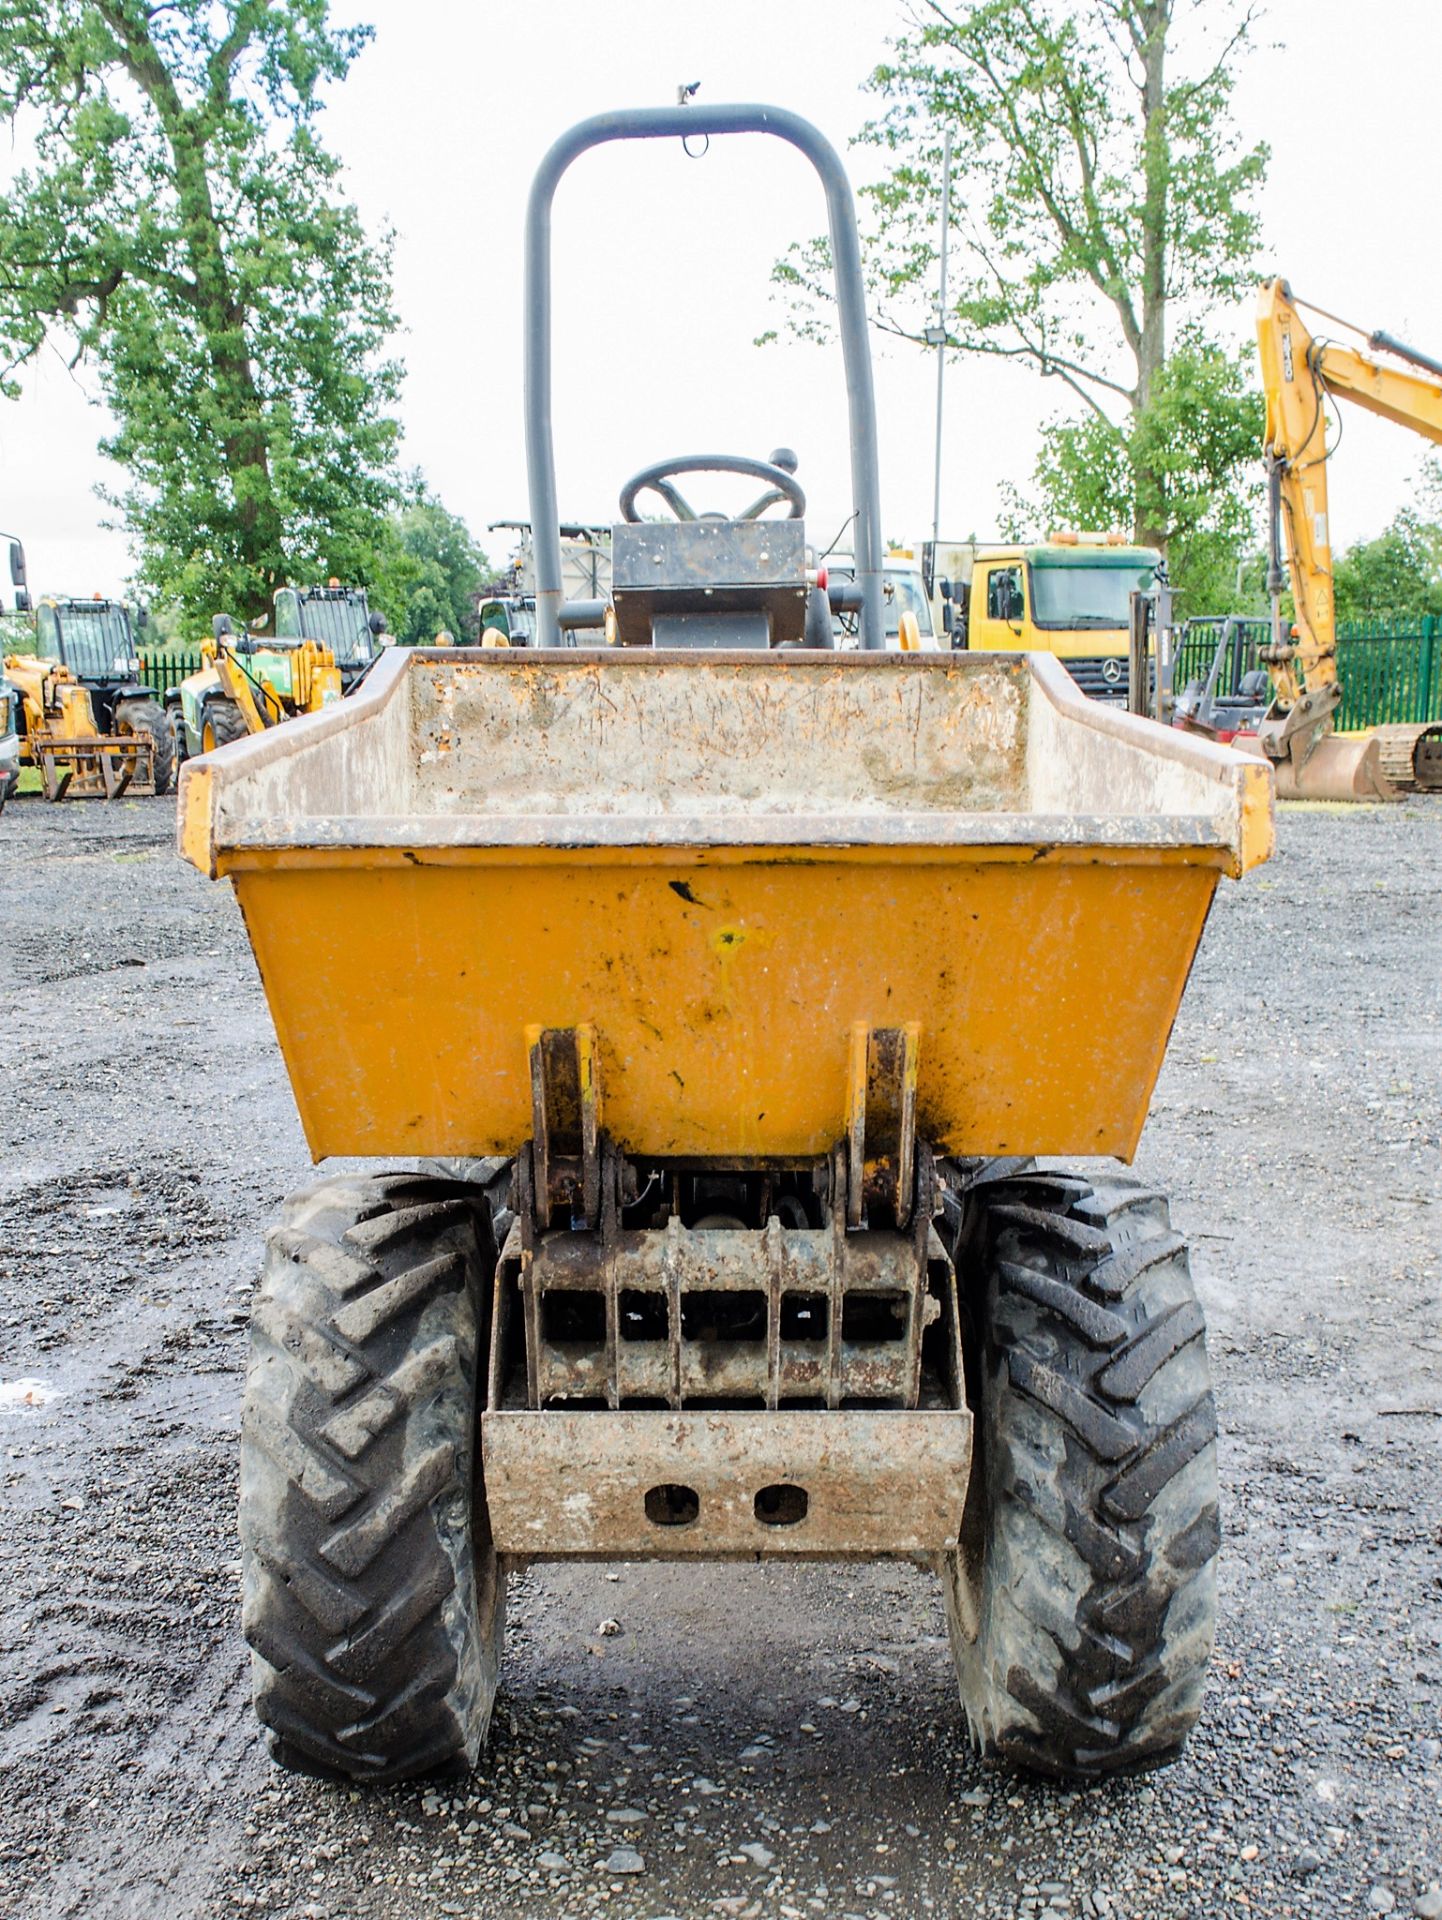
x: 663, y: 262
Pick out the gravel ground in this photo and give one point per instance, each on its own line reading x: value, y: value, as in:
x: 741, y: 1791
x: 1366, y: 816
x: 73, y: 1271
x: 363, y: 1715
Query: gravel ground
x: 734, y: 1741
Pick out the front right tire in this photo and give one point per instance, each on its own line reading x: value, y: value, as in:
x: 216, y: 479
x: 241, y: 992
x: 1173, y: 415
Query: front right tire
x: 373, y: 1600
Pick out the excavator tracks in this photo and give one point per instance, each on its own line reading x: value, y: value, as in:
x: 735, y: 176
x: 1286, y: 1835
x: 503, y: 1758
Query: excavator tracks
x: 1411, y: 757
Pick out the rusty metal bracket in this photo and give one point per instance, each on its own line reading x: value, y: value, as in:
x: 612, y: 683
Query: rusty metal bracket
x: 565, y: 1116
x: 881, y: 1120
x: 725, y: 1484
x: 55, y: 778
x: 676, y: 1315
x: 116, y: 778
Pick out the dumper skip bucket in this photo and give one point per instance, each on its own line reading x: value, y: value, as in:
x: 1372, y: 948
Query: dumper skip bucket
x: 723, y: 866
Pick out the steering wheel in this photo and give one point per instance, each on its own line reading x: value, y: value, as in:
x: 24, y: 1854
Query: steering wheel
x: 780, y: 485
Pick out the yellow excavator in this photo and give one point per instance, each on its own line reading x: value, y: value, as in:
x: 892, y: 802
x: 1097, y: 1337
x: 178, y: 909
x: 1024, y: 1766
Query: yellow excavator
x: 1297, y: 733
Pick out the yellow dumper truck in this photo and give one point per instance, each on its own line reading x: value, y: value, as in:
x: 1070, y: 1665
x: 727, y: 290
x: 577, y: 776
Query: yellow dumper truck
x: 763, y: 969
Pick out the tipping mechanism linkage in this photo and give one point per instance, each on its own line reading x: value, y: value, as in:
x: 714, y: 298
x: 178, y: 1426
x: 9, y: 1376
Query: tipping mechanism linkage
x: 814, y: 1285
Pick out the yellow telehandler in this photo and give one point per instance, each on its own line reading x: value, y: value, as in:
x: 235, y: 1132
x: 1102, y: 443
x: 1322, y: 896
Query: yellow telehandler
x: 87, y: 721
x: 326, y: 641
x: 748, y: 974
x: 247, y: 684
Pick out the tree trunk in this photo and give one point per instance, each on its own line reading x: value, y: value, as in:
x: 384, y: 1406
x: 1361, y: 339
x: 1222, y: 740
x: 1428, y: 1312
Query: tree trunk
x: 258, y: 532
x: 257, y: 525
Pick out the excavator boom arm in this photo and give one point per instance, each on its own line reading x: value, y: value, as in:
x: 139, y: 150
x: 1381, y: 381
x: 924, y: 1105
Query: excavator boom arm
x: 1298, y: 373
x: 1406, y: 399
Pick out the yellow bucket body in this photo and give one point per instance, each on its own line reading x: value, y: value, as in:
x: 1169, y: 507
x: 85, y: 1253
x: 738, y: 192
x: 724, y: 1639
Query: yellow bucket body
x: 723, y: 865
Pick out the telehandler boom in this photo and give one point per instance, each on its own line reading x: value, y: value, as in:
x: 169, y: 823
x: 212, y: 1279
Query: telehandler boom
x: 1297, y: 733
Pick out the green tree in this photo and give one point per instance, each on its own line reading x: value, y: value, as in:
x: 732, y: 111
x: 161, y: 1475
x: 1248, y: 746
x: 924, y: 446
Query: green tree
x: 1188, y: 466
x: 1398, y: 572
x: 432, y: 572
x: 179, y: 228
x: 1101, y: 206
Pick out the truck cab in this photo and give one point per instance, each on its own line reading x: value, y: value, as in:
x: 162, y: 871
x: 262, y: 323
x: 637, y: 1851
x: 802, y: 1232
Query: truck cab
x: 509, y: 619
x: 902, y: 591
x: 336, y: 616
x: 1070, y: 597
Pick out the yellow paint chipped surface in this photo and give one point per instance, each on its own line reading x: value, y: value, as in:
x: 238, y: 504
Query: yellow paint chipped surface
x: 405, y: 995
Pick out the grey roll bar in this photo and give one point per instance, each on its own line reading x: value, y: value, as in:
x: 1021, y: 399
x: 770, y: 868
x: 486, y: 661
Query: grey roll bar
x: 655, y: 123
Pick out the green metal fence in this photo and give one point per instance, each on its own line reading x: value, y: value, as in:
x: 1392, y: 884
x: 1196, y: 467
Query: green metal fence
x: 1390, y: 669
x: 166, y: 669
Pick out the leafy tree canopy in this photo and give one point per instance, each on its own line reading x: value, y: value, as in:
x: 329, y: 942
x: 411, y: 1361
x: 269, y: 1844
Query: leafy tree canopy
x: 1398, y: 572
x: 180, y: 229
x: 1189, y: 465
x: 1102, y: 208
x: 431, y: 571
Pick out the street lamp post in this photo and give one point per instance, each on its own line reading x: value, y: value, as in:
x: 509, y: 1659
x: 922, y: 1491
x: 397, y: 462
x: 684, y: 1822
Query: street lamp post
x: 936, y: 337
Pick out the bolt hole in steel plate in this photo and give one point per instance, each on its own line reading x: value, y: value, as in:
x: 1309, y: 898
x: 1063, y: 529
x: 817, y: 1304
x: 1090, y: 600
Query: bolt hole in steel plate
x: 672, y: 1506
x: 781, y: 1505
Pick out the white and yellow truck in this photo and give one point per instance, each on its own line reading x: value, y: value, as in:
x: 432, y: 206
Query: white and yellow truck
x: 1070, y: 596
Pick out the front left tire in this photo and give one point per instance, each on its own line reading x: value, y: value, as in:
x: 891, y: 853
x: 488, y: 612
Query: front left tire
x: 1082, y: 1604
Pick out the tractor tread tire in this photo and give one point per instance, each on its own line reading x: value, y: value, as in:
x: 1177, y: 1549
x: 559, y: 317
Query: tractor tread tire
x: 175, y: 730
x: 372, y: 1598
x: 225, y: 721
x: 148, y: 716
x: 1082, y: 1606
